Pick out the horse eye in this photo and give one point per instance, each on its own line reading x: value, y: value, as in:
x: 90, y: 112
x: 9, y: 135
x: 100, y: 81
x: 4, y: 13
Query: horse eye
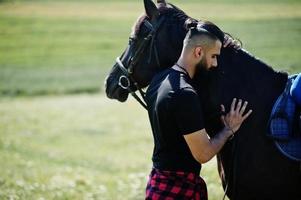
x: 145, y: 29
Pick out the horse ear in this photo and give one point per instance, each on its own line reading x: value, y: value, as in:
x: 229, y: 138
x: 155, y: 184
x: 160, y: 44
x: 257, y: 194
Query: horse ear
x: 151, y: 9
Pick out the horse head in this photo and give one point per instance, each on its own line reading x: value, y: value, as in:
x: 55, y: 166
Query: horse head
x: 146, y: 53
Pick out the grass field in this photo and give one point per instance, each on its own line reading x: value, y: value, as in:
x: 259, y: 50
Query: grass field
x: 52, y: 47
x: 77, y: 147
x: 54, y: 145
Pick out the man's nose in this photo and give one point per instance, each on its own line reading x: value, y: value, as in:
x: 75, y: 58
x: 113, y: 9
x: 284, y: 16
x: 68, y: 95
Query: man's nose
x: 214, y: 63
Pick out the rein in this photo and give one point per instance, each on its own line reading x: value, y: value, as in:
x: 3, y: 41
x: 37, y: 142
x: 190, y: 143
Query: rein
x: 232, y: 168
x: 127, y: 84
x: 127, y: 77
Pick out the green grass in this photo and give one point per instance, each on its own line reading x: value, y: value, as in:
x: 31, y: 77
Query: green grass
x: 52, y: 47
x: 86, y: 146
x: 73, y: 147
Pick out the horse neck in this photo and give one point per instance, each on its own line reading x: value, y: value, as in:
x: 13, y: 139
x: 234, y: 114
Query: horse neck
x: 249, y: 76
x: 170, y: 39
x: 239, y: 75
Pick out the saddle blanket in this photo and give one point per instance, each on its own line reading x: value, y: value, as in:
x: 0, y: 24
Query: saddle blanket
x: 284, y: 126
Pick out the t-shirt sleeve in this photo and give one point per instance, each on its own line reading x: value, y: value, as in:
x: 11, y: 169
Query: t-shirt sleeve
x: 188, y: 111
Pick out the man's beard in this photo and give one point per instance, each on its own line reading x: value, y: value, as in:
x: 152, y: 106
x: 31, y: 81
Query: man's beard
x: 203, y: 73
x: 201, y: 67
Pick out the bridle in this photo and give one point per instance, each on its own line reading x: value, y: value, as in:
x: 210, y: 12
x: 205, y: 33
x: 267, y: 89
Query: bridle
x: 127, y: 78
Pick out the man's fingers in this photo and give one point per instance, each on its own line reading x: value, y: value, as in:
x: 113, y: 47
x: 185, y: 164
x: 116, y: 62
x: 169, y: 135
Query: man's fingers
x: 233, y: 105
x: 236, y: 45
x: 238, y: 106
x: 223, y: 119
x: 228, y: 41
x: 242, y: 110
x: 223, y: 108
x: 246, y: 115
x: 225, y: 40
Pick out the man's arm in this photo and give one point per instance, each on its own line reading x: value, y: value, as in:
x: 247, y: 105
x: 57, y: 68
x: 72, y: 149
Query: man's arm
x: 204, y: 148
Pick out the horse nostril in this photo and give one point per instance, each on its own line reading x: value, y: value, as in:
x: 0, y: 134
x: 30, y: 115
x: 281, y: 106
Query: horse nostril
x: 109, y: 86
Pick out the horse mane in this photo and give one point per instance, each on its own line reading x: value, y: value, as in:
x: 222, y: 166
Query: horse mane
x: 176, y: 12
x: 170, y: 9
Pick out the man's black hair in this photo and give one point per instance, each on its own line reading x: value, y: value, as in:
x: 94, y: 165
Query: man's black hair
x: 206, y: 28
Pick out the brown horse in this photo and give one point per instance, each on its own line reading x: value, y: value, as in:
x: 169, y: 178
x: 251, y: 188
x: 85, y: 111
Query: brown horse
x: 250, y: 163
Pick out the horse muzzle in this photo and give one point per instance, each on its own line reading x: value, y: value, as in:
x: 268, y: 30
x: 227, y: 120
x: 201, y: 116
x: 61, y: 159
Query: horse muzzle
x: 115, y: 88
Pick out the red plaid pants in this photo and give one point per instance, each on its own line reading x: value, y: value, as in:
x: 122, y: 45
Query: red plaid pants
x: 171, y: 185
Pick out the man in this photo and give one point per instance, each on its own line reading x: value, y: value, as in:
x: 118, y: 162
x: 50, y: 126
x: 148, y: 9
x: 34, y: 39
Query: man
x: 175, y: 112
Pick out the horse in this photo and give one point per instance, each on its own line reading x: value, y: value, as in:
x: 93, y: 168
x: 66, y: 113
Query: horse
x: 249, y: 165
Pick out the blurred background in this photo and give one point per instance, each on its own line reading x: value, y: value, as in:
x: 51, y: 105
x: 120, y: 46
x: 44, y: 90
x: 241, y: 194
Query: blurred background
x: 60, y: 137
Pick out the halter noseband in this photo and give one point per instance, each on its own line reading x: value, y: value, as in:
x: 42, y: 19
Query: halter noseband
x: 126, y: 79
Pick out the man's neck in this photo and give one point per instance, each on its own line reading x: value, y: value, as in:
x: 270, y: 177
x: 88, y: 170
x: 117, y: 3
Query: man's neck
x: 188, y: 67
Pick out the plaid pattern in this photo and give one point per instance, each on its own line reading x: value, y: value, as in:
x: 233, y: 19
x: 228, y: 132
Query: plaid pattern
x: 173, y: 185
x: 282, y: 119
x: 282, y: 129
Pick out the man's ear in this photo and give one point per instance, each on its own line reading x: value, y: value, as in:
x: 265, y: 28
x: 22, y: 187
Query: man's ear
x: 199, y: 52
x: 151, y: 9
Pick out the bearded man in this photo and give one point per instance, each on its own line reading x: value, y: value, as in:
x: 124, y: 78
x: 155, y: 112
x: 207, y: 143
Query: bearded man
x: 175, y: 112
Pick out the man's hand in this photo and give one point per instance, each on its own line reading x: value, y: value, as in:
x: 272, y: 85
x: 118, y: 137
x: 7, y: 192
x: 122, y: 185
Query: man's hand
x: 202, y: 147
x: 235, y: 117
x: 230, y: 42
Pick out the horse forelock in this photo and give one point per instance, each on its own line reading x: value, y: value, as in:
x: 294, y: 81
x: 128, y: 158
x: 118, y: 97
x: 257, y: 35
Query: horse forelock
x: 137, y: 25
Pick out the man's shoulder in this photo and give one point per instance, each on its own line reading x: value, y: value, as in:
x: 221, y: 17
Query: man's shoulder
x: 160, y: 76
x: 171, y: 82
x: 186, y: 93
x: 179, y: 81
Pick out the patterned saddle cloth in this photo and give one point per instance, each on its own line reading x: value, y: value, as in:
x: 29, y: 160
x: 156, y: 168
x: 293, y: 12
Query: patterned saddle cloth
x: 285, y: 124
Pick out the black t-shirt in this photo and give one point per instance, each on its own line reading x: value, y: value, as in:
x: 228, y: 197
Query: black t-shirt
x: 174, y: 110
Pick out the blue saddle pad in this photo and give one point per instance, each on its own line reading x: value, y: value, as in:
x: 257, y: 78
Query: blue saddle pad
x: 283, y: 125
